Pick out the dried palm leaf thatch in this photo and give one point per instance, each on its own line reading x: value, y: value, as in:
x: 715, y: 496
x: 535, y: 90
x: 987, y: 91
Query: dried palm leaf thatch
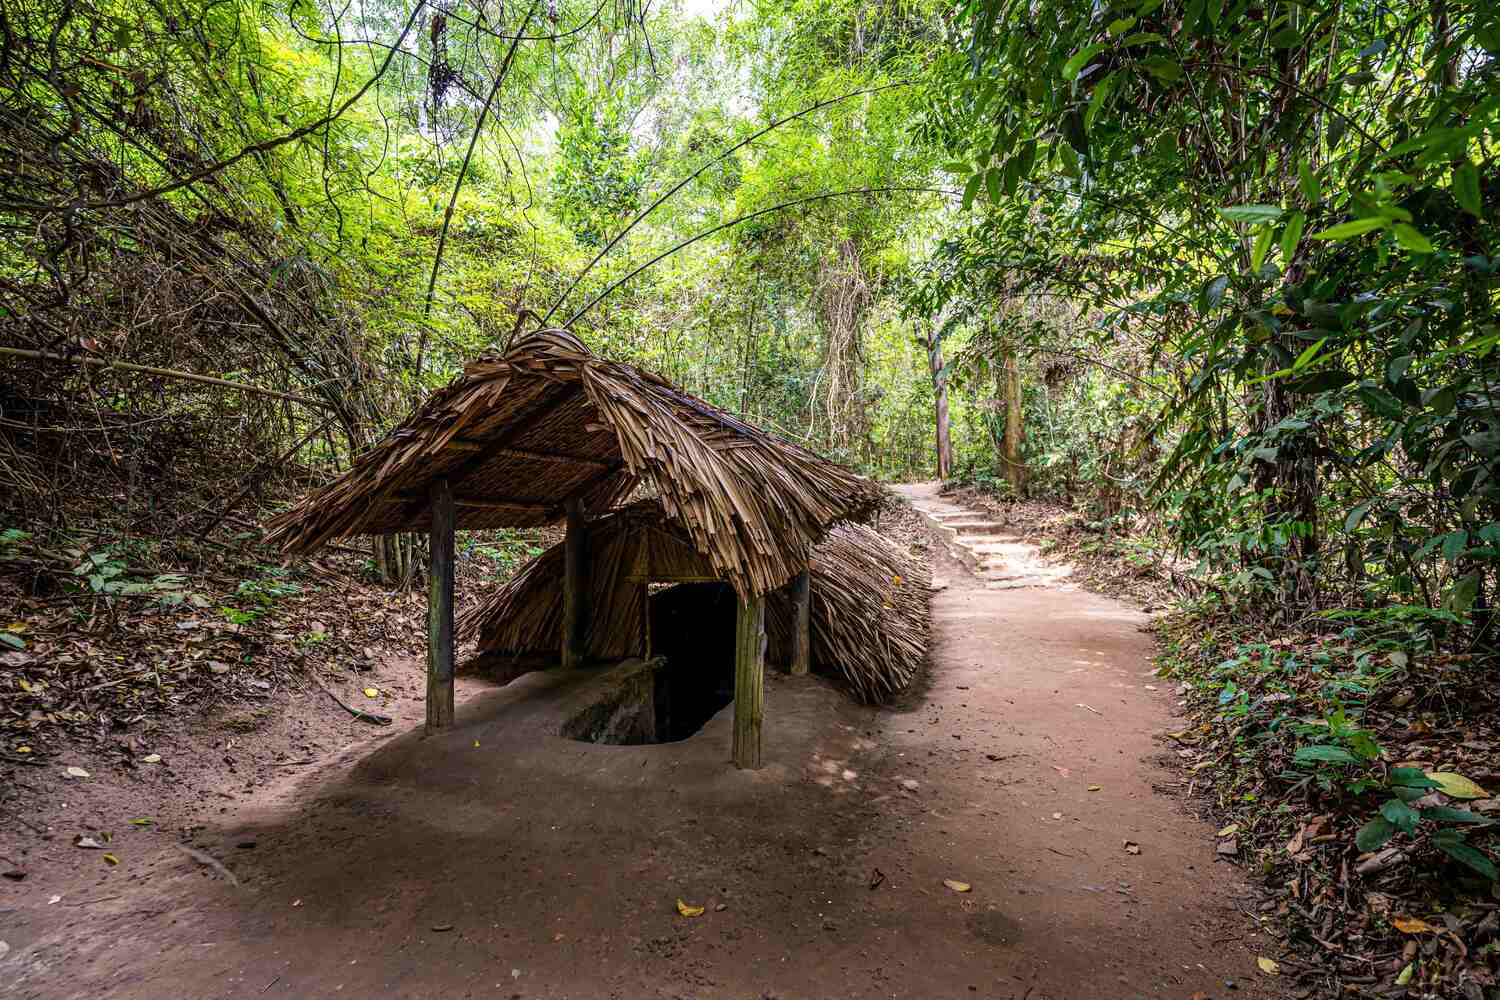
x: 870, y: 614
x: 869, y: 601
x: 519, y: 435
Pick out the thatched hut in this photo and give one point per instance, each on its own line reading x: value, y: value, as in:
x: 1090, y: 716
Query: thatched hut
x: 867, y: 605
x: 549, y: 431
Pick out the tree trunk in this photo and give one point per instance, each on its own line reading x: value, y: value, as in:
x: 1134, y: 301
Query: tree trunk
x: 940, y: 405
x: 1013, y: 443
x: 1290, y: 486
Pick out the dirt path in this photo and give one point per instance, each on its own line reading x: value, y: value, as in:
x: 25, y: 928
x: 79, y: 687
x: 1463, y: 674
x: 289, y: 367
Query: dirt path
x: 500, y: 860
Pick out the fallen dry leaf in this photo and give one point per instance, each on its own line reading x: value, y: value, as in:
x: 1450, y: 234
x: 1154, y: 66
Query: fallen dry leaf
x: 111, y: 859
x: 1131, y: 847
x: 1096, y: 788
x: 1268, y: 966
x: 1456, y: 785
x: 372, y: 692
x: 1411, y: 925
x: 1230, y: 830
x: 956, y: 885
x: 689, y: 911
x: 76, y: 772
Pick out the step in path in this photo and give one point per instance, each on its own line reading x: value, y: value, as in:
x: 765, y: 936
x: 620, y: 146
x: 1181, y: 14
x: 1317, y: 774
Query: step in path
x: 997, y: 556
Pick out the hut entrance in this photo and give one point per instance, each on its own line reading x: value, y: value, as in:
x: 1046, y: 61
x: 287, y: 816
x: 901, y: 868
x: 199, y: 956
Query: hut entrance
x: 692, y: 625
x: 689, y: 678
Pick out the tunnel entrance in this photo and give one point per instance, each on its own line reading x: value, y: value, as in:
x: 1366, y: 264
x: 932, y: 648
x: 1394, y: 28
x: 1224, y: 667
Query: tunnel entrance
x: 689, y: 678
x: 692, y: 625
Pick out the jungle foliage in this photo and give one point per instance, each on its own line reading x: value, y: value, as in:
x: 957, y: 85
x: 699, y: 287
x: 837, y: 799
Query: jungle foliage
x: 1222, y: 271
x: 1278, y: 224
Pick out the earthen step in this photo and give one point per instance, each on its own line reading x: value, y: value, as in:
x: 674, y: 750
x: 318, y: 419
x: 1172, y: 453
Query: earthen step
x: 995, y: 547
x: 978, y: 527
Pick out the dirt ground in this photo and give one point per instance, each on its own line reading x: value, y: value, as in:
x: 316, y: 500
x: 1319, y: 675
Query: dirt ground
x: 501, y: 860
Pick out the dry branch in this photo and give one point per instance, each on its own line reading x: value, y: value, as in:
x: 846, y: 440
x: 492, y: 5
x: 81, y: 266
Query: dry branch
x: 162, y: 373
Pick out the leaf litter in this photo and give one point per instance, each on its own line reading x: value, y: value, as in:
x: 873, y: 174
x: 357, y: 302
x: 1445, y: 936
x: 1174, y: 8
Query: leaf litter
x: 1411, y: 910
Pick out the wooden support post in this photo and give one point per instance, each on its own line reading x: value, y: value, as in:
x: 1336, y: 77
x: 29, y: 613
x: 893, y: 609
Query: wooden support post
x: 801, y: 624
x: 645, y: 620
x: 575, y: 587
x: 749, y: 682
x: 440, y: 610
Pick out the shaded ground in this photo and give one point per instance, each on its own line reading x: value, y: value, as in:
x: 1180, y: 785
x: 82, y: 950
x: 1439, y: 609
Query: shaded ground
x: 502, y: 860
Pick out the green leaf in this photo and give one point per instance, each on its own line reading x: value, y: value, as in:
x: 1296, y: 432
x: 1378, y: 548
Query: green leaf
x: 1121, y: 25
x: 1097, y: 99
x: 1076, y: 132
x: 12, y: 640
x: 971, y: 189
x: 1080, y: 59
x: 1396, y: 369
x: 1026, y: 159
x: 1355, y: 227
x: 1466, y: 189
x: 1250, y: 213
x: 1448, y: 814
x: 1261, y: 248
x: 1164, y: 69
x: 1324, y: 753
x: 1355, y: 516
x: 1412, y: 240
x: 1411, y: 777
x: 1454, y: 543
x: 1312, y: 190
x: 1458, y: 850
x: 1305, y: 358
x: 1400, y: 815
x: 992, y: 184
x: 1324, y: 381
x: 1291, y: 236
x: 957, y: 168
x: 1212, y: 293
x: 1286, y: 38
x: 1374, y: 834
x: 1381, y: 402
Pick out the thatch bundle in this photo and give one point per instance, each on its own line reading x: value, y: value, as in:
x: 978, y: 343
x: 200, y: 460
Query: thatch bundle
x: 519, y: 435
x: 870, y: 616
x: 869, y: 601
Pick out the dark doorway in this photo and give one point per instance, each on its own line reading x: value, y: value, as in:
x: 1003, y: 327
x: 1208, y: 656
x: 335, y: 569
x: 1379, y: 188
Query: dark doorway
x: 692, y: 631
x: 692, y: 625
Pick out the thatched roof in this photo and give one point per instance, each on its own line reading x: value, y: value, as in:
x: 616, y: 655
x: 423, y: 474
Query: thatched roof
x: 869, y: 601
x: 518, y: 435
